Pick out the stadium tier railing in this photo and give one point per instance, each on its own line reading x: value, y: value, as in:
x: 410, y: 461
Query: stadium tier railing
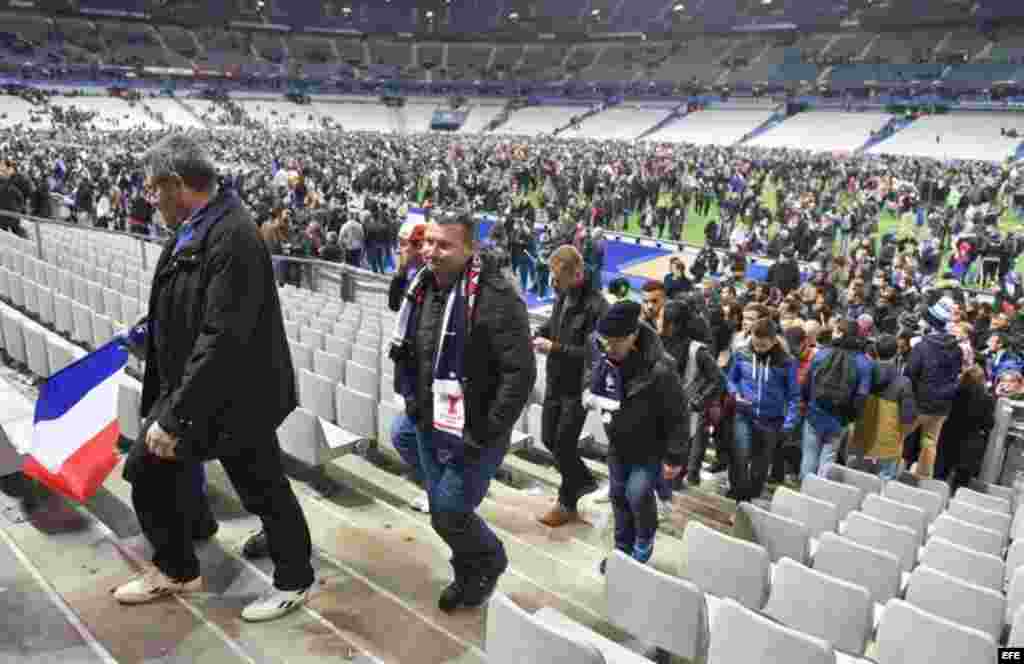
x: 351, y: 284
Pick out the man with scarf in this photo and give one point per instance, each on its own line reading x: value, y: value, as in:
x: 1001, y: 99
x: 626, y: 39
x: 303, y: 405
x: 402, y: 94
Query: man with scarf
x: 563, y: 338
x: 633, y: 383
x: 465, y: 367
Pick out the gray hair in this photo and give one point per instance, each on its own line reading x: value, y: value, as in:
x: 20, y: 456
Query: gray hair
x: 180, y: 155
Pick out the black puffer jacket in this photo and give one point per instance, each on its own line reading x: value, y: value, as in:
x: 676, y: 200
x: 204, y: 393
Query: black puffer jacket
x: 575, y: 323
x: 499, y: 365
x: 217, y: 358
x: 651, y: 424
x: 934, y: 370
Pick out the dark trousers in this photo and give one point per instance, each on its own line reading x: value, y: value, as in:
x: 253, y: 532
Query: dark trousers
x: 166, y: 500
x: 354, y: 257
x: 561, y: 423
x: 753, y: 449
x: 455, y: 488
x: 698, y: 445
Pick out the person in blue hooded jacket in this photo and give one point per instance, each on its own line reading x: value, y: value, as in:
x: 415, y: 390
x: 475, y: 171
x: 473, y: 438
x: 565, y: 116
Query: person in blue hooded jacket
x: 823, y: 428
x: 763, y: 379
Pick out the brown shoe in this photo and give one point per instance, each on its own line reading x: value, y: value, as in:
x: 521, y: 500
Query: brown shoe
x: 558, y: 516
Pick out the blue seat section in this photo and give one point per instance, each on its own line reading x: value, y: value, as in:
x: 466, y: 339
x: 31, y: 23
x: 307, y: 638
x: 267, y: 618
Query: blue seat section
x: 984, y: 73
x: 887, y: 73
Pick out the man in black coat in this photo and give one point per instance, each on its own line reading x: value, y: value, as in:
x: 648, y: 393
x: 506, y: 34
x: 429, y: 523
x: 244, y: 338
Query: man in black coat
x: 464, y: 365
x: 219, y: 381
x: 785, y: 273
x: 563, y: 338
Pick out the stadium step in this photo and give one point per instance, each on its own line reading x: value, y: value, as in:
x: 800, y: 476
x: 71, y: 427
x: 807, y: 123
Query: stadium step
x: 347, y: 614
x: 556, y: 570
x: 83, y: 562
x: 40, y: 627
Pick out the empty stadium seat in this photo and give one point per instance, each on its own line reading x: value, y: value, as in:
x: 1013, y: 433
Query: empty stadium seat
x: 912, y: 635
x: 779, y: 535
x: 900, y: 541
x: 514, y: 636
x: 874, y: 569
x: 1000, y: 522
x: 129, y: 400
x: 818, y: 515
x: 982, y: 500
x: 14, y: 340
x: 867, y: 482
x: 821, y: 605
x: 900, y: 514
x: 968, y: 535
x: 845, y: 497
x: 931, y: 502
x: 741, y: 635
x: 980, y: 569
x: 35, y: 349
x: 957, y: 600
x: 362, y: 379
x: 316, y: 393
x: 725, y: 566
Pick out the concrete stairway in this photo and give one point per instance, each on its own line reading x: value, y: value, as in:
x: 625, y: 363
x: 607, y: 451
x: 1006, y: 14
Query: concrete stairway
x: 380, y: 566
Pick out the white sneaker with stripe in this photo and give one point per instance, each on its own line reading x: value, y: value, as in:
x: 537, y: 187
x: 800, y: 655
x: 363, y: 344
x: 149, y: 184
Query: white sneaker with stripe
x: 274, y: 604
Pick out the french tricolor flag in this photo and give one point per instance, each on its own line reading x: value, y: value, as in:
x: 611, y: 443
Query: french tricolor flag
x: 74, y: 442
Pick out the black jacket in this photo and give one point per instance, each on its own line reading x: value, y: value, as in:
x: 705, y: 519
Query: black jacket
x: 217, y: 358
x: 499, y: 365
x: 784, y: 275
x: 569, y: 328
x: 651, y: 425
x: 934, y: 370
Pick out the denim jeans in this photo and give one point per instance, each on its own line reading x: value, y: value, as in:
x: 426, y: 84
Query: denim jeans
x: 754, y: 443
x: 818, y: 451
x: 405, y: 442
x: 631, y: 490
x: 889, y: 469
x: 455, y: 489
x: 375, y: 257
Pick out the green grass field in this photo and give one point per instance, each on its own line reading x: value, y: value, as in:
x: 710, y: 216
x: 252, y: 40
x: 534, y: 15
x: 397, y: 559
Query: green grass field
x: 693, y: 232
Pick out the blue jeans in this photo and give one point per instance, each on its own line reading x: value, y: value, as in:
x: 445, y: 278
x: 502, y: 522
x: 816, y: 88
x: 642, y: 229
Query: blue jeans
x: 375, y: 256
x: 818, y: 451
x: 405, y: 442
x: 889, y: 469
x: 631, y: 490
x: 455, y: 490
x: 663, y: 487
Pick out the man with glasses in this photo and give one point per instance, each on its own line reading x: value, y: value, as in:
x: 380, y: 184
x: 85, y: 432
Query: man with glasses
x: 219, y: 381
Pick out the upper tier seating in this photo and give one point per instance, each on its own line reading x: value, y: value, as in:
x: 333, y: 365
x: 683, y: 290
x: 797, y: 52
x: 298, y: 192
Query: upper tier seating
x: 956, y: 136
x: 847, y: 131
x: 535, y: 120
x: 624, y: 122
x: 712, y: 127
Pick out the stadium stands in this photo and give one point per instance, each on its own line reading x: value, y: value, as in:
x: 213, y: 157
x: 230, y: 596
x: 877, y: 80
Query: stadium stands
x: 712, y: 127
x: 955, y: 136
x: 536, y: 120
x: 623, y: 122
x: 102, y: 281
x: 847, y: 131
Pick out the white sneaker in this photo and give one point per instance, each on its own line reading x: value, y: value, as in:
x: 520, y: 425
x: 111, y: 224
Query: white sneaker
x: 600, y: 496
x: 664, y: 508
x: 421, y: 503
x: 274, y: 604
x: 152, y: 586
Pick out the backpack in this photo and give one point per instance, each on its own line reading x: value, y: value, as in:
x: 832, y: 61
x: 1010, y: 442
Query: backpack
x: 835, y: 383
